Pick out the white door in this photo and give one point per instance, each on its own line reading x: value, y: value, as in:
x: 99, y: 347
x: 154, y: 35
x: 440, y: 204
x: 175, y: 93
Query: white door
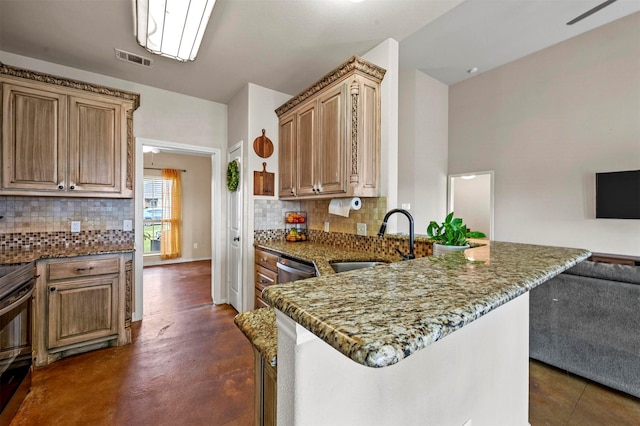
x: 234, y: 233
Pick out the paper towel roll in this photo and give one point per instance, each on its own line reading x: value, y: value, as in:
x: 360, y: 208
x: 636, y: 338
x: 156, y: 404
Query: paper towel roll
x: 341, y: 206
x: 356, y: 203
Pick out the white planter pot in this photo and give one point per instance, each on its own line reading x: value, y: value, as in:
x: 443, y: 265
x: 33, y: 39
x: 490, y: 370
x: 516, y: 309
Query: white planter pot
x: 441, y: 248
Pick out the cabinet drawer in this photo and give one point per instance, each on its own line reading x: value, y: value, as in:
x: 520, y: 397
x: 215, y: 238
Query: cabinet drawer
x: 265, y: 278
x: 258, y: 301
x: 83, y: 268
x: 267, y: 259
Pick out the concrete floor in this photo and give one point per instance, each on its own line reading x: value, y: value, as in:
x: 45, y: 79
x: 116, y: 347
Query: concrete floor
x: 189, y: 365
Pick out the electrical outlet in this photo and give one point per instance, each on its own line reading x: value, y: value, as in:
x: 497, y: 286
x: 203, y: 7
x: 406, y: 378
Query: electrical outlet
x: 326, y: 227
x: 75, y: 226
x: 127, y: 225
x: 361, y: 229
x: 406, y: 206
x: 195, y: 245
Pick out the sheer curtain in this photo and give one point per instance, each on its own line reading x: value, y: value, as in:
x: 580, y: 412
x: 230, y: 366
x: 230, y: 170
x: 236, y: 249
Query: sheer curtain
x: 171, y: 241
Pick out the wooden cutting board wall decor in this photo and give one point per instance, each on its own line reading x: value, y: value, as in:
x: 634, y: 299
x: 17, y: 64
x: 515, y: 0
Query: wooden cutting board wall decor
x: 263, y: 182
x: 263, y: 146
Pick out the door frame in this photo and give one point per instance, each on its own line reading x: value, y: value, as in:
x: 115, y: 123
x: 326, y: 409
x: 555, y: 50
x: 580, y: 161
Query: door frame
x: 491, y: 192
x: 216, y: 225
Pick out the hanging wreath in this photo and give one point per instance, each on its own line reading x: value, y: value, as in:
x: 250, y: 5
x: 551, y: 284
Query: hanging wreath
x: 233, y: 176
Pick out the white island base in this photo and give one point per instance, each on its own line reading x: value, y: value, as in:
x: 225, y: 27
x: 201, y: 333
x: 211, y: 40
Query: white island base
x: 478, y: 375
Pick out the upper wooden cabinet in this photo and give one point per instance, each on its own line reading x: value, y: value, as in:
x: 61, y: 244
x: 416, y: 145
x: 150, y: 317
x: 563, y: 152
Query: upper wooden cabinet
x: 330, y: 135
x: 66, y: 138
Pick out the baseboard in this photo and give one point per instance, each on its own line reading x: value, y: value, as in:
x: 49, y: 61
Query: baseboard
x: 172, y: 261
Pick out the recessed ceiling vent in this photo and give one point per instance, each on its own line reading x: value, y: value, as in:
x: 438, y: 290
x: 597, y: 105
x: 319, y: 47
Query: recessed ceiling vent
x: 133, y: 58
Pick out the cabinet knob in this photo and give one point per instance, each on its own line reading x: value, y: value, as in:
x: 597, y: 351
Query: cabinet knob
x: 60, y: 186
x: 84, y: 269
x: 72, y: 187
x: 52, y: 289
x: 236, y: 238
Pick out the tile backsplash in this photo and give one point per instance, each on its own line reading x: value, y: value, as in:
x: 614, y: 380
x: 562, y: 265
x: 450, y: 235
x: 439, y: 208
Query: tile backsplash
x: 29, y: 222
x: 53, y: 214
x: 269, y: 214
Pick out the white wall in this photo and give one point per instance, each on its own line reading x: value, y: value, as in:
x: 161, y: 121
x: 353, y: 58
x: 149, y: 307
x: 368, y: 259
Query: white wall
x: 423, y: 148
x: 251, y: 110
x: 546, y: 124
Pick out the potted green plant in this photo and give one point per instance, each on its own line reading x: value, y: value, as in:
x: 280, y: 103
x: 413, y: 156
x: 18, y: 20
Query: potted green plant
x: 450, y: 235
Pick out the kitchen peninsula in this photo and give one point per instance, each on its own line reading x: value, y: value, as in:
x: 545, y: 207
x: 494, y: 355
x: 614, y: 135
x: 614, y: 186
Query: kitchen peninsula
x: 436, y: 340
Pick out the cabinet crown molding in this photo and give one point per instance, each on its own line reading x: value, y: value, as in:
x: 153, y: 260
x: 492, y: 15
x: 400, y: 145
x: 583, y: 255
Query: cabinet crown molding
x: 353, y: 64
x: 66, y: 82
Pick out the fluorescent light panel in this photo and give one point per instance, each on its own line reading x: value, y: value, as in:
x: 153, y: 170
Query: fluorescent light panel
x: 172, y: 28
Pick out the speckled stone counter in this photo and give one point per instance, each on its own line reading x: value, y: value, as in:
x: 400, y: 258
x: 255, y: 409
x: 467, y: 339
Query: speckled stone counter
x: 23, y: 256
x: 321, y: 254
x: 260, y: 328
x: 378, y: 316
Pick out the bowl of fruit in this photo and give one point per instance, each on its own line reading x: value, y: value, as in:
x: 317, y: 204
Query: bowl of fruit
x: 295, y: 217
x: 294, y: 235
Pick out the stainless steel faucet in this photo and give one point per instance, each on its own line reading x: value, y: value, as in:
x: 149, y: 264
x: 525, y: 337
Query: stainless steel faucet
x: 383, y: 229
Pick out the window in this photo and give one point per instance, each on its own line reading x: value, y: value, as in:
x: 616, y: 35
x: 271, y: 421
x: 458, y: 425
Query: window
x: 152, y: 214
x: 163, y: 215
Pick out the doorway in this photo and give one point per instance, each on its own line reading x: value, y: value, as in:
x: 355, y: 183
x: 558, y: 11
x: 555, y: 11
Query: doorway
x: 471, y: 198
x: 216, y: 229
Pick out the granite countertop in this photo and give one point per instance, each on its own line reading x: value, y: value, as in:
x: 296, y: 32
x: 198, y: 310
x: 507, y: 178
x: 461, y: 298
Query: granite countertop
x: 260, y: 328
x: 381, y: 315
x: 37, y: 253
x: 321, y: 254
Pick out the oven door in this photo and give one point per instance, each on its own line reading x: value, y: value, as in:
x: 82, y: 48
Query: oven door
x: 15, y: 349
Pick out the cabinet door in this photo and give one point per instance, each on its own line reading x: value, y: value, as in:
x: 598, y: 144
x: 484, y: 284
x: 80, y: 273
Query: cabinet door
x: 82, y: 310
x: 94, y: 145
x: 306, y: 148
x: 287, y: 155
x: 330, y: 156
x: 34, y: 138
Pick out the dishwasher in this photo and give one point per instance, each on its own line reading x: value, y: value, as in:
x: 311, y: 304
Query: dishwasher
x: 292, y: 270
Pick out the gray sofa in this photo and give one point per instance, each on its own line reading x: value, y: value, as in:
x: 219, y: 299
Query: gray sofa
x: 587, y: 321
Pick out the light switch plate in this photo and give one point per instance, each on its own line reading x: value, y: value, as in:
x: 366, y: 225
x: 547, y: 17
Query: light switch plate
x: 361, y: 229
x: 75, y: 226
x: 127, y: 225
x: 326, y: 227
x: 406, y: 206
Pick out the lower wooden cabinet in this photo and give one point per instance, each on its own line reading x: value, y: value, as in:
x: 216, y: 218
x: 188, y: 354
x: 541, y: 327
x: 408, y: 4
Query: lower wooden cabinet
x: 80, y: 305
x: 266, y: 388
x: 265, y: 274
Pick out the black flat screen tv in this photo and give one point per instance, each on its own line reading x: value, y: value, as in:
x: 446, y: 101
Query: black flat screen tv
x: 618, y: 195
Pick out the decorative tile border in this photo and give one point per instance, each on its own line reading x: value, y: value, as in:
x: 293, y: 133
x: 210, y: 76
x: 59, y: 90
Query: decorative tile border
x: 374, y: 245
x: 29, y: 241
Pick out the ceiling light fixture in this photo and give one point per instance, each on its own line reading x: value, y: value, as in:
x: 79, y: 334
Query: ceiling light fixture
x: 147, y: 149
x: 172, y: 28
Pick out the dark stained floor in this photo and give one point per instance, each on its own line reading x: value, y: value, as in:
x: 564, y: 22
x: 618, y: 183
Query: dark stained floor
x: 189, y: 365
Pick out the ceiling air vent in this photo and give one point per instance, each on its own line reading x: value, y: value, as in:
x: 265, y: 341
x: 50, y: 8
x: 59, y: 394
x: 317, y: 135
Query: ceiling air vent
x: 133, y: 58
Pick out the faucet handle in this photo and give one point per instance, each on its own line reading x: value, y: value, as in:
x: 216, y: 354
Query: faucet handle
x: 407, y: 256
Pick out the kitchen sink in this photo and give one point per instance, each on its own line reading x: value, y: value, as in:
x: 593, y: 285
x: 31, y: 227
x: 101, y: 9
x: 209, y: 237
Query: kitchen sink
x: 350, y: 266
